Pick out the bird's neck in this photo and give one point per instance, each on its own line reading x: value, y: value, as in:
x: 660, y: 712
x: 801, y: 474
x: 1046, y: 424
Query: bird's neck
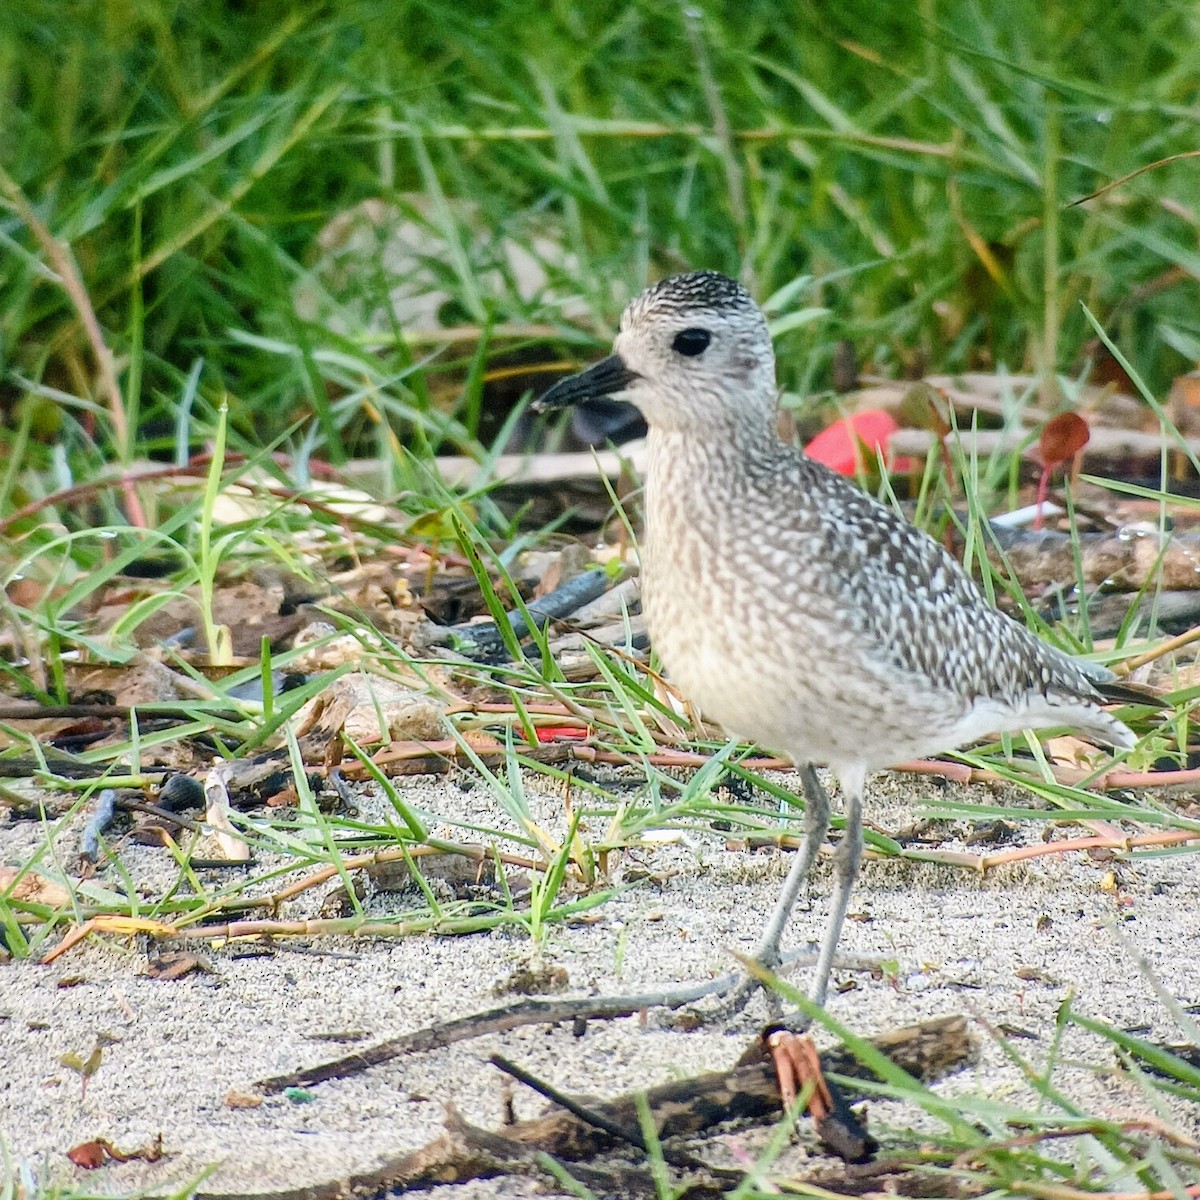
x: 689, y: 472
x: 745, y: 437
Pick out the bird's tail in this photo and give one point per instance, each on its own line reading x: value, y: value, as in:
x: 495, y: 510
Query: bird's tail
x: 1101, y: 725
x: 1093, y: 722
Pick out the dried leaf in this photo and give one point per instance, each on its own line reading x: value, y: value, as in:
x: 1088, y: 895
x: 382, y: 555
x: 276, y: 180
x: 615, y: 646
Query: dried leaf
x: 93, y: 1154
x: 174, y: 964
x: 88, y: 1155
x: 234, y: 847
x: 1073, y: 751
x: 86, y: 1067
x: 1188, y: 389
x: 1035, y: 975
x: 368, y: 710
x: 926, y: 407
x: 32, y: 888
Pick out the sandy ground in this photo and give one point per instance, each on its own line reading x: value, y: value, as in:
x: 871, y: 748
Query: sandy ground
x: 1009, y: 947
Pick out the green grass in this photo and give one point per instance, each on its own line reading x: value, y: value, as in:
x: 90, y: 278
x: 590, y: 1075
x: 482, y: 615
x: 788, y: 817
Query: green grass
x: 916, y: 162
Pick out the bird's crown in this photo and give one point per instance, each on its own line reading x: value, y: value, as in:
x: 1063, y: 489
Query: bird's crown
x: 696, y: 290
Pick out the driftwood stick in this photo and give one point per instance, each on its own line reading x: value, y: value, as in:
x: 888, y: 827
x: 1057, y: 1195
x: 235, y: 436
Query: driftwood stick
x: 530, y: 1012
x: 581, y: 1112
x: 465, y: 1152
x: 1104, y: 445
x: 598, y: 1120
x: 1123, y: 563
x: 495, y: 1020
x: 747, y: 1092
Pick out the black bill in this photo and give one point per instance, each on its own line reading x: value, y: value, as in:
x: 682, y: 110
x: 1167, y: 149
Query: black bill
x: 608, y: 377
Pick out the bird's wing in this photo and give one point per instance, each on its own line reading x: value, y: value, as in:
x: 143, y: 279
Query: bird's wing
x: 924, y: 614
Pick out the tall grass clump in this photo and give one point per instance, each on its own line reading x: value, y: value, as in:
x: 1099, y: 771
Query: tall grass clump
x: 203, y: 166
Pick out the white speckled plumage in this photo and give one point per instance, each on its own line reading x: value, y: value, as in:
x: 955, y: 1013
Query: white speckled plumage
x: 788, y: 605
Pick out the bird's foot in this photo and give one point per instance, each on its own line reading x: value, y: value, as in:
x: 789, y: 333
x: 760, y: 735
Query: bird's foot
x: 712, y: 1000
x: 728, y: 995
x: 797, y: 1068
x: 716, y: 1000
x: 741, y: 986
x: 731, y: 1000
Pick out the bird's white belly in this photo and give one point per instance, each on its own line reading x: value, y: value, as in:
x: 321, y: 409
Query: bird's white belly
x: 806, y: 696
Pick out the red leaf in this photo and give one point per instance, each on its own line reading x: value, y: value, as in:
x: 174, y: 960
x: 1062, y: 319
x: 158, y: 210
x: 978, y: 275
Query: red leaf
x: 561, y: 733
x: 863, y: 434
x: 90, y: 1155
x: 1061, y: 439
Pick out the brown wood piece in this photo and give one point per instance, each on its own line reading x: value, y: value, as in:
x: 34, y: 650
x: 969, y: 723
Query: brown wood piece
x: 748, y: 1091
x: 927, y: 1051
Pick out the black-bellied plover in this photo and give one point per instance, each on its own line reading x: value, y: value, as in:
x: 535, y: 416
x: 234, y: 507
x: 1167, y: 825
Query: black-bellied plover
x: 792, y: 608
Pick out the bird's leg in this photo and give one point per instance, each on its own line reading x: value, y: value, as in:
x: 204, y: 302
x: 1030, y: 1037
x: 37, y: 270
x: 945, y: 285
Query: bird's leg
x: 790, y: 1052
x: 816, y: 823
x: 846, y: 861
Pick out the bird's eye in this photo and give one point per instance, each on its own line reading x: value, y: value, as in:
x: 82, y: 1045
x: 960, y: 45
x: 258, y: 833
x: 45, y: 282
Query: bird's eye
x: 691, y: 342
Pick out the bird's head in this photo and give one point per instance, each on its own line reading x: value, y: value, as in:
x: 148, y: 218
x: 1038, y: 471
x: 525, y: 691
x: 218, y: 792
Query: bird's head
x: 692, y: 352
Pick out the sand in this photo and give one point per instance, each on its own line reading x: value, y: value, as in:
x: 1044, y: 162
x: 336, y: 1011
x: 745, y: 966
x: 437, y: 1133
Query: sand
x: 1008, y: 947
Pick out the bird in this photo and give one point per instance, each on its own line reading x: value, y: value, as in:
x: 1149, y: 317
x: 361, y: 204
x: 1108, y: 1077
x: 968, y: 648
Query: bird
x: 793, y: 609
